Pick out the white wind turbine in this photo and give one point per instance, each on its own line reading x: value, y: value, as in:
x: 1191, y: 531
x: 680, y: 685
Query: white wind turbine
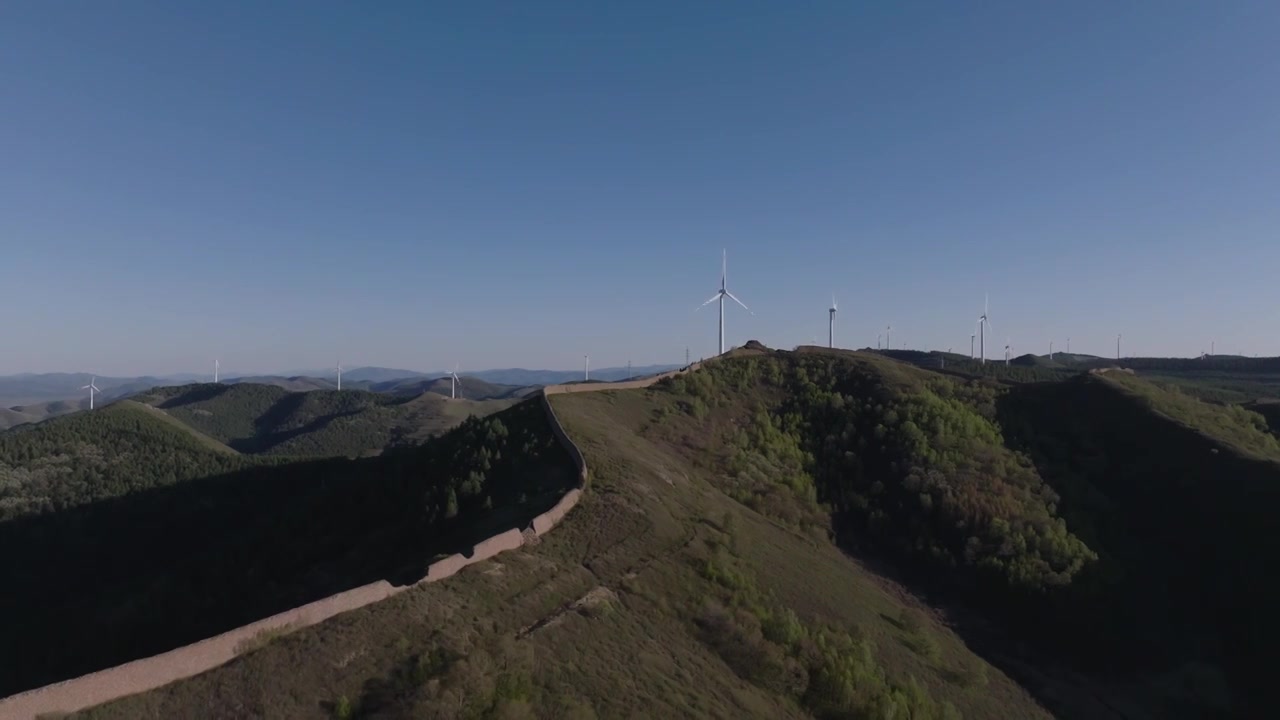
x: 984, y: 324
x: 92, y: 388
x: 454, y: 383
x: 339, y: 374
x: 831, y: 323
x: 1008, y: 349
x: 586, y: 359
x: 216, y: 365
x: 722, y: 294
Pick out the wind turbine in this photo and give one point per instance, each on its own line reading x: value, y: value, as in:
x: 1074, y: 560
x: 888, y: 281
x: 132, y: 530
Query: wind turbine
x: 216, y: 364
x: 586, y: 359
x: 831, y: 323
x: 1117, y: 346
x: 1050, y: 349
x: 722, y: 294
x: 971, y: 337
x: 92, y: 388
x: 887, y: 330
x: 1008, y: 347
x: 878, y: 336
x: 454, y: 383
x: 983, y: 324
x: 339, y: 374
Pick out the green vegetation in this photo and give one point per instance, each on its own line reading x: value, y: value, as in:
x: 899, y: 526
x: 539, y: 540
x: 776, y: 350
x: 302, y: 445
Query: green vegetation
x: 1099, y: 536
x: 151, y: 520
x: 89, y: 457
x: 1176, y: 496
x: 635, y: 605
x: 909, y: 461
x: 267, y: 420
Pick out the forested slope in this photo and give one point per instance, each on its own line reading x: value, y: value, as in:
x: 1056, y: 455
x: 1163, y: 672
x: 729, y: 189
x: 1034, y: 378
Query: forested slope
x: 204, y: 541
x: 267, y: 420
x: 88, y: 457
x: 1059, y: 514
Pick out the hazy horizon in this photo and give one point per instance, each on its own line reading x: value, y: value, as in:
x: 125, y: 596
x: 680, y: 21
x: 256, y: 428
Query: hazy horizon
x: 509, y: 185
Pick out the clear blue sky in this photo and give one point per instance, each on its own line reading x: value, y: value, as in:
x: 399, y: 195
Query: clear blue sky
x: 516, y: 184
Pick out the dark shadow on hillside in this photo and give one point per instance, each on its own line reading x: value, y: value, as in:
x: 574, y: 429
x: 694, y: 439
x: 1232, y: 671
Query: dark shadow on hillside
x: 129, y: 577
x: 1184, y: 528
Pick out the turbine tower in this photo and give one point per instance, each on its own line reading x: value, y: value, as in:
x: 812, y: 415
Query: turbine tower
x: 216, y: 364
x: 722, y: 294
x: 92, y: 388
x: 971, y: 337
x: 1050, y: 349
x: 888, y: 330
x: 1008, y: 347
x: 1117, y: 346
x: 586, y: 359
x: 831, y: 323
x: 454, y: 383
x: 339, y: 374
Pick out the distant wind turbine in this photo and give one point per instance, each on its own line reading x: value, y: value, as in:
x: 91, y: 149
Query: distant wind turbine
x: 722, y: 294
x: 1117, y: 346
x: 878, y: 336
x: 971, y: 337
x: 454, y: 383
x: 831, y: 323
x: 215, y: 370
x: 1008, y: 349
x: 984, y: 323
x: 92, y: 388
x: 586, y: 363
x: 888, y: 329
x: 1050, y: 349
x: 339, y: 374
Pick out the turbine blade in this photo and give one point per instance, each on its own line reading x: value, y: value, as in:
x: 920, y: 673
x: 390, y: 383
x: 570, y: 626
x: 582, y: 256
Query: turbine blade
x: 735, y: 299
x: 713, y: 299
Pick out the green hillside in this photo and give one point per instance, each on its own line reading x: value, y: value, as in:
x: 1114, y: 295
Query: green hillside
x: 758, y: 535
x: 89, y: 457
x: 32, y: 413
x: 265, y: 419
x: 660, y: 595
x: 241, y: 538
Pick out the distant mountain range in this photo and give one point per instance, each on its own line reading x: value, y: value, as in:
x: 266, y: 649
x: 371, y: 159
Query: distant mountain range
x: 32, y: 397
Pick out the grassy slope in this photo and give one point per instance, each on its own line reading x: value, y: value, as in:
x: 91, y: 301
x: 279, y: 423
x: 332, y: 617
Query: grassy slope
x: 645, y: 533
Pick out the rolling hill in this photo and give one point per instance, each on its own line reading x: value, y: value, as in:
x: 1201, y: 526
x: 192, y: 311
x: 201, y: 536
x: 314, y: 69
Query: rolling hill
x: 807, y: 534
x: 133, y: 517
x: 266, y: 419
x: 469, y: 388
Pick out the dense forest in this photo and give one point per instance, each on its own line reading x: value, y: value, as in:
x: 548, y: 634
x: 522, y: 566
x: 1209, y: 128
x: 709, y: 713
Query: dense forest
x: 88, y: 457
x: 1105, y: 521
x: 201, y: 541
